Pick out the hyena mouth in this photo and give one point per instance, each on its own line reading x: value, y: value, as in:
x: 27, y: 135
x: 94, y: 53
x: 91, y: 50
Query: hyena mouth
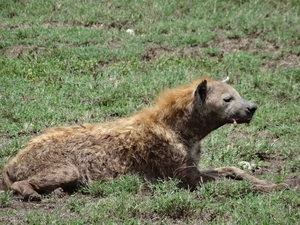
x: 246, y: 120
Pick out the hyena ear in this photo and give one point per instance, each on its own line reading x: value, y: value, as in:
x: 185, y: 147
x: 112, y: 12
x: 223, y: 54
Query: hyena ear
x: 225, y: 80
x: 201, y: 91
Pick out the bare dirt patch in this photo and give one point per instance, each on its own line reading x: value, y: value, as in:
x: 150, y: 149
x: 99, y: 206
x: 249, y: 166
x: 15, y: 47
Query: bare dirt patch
x: 248, y: 44
x: 19, y: 50
x: 274, y: 163
x: 119, y: 24
x: 275, y: 55
x: 56, y: 24
x: 157, y: 51
x: 278, y: 59
x: 18, y: 210
x: 284, y: 61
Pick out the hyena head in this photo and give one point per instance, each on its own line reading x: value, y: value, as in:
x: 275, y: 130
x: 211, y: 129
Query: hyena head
x: 223, y: 103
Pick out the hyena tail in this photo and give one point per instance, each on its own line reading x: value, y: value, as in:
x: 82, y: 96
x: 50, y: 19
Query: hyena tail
x: 7, y: 180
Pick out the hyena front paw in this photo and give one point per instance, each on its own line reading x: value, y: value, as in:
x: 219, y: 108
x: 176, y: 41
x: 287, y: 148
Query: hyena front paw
x: 271, y: 187
x: 59, y: 192
x: 32, y: 197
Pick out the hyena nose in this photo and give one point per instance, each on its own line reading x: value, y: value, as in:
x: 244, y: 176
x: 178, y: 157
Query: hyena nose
x: 251, y: 109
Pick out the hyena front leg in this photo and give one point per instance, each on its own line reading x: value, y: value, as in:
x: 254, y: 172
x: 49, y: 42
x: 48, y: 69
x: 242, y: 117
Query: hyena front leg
x: 238, y: 174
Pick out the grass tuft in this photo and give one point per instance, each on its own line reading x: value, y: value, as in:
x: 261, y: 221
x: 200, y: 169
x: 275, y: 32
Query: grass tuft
x: 6, y: 198
x: 126, y: 184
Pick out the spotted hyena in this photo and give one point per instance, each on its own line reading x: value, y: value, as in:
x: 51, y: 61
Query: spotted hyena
x: 162, y: 141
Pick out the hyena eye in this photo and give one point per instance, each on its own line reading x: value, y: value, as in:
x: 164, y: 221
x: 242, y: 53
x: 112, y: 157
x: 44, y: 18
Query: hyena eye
x: 227, y: 99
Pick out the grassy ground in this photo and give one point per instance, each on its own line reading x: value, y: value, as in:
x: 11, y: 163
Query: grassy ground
x: 65, y: 62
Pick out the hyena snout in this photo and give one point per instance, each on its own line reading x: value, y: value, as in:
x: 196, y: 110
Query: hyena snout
x: 251, y: 108
x: 242, y: 112
x: 247, y: 112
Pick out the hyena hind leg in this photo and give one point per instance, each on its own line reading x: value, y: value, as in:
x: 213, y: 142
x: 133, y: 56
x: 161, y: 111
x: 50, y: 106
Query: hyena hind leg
x: 239, y: 174
x: 26, y: 190
x: 52, y: 180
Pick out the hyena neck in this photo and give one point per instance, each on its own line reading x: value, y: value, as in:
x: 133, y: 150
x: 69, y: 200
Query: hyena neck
x: 190, y: 124
x: 193, y: 127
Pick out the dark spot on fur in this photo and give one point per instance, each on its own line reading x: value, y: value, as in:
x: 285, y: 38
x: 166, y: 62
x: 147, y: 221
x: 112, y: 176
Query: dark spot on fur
x: 52, y: 181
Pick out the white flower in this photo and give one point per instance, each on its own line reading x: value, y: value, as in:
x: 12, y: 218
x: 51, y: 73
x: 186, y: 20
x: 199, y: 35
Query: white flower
x: 246, y: 165
x: 130, y: 31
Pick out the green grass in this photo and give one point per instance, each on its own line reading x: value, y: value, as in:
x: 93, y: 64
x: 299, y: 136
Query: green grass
x: 69, y: 62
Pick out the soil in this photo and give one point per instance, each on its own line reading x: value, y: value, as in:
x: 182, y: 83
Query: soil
x: 279, y: 59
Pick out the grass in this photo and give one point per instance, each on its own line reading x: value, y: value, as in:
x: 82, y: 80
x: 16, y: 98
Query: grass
x: 70, y: 62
